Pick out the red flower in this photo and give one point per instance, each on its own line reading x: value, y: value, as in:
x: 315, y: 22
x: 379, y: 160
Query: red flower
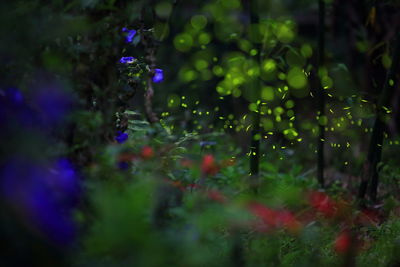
x: 126, y: 157
x: 208, y: 165
x: 216, y: 196
x: 368, y: 217
x: 323, y: 204
x: 267, y: 215
x: 342, y: 243
x: 271, y: 219
x: 147, y: 152
x: 288, y: 221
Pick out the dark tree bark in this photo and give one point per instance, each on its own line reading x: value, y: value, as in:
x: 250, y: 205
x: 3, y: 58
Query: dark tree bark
x: 321, y: 94
x: 370, y: 175
x: 237, y: 251
x: 255, y: 132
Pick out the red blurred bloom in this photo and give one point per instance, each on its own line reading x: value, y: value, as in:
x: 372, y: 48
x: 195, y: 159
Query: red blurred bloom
x: 125, y: 156
x: 342, y: 242
x: 216, y: 196
x: 267, y: 215
x: 323, y: 204
x: 208, y: 165
x: 288, y: 221
x: 147, y: 152
x: 274, y: 218
x: 368, y: 217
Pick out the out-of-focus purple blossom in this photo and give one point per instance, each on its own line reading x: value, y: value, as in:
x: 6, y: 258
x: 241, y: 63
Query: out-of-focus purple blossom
x: 52, y: 102
x: 127, y: 60
x: 14, y: 111
x: 14, y: 95
x: 44, y: 196
x: 123, y: 165
x: 130, y: 34
x: 53, y: 220
x: 158, y: 76
x: 121, y: 137
x: 207, y: 143
x: 45, y: 105
x: 66, y: 182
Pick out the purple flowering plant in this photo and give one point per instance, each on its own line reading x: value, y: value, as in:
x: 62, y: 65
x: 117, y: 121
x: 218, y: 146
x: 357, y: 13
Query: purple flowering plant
x: 14, y: 95
x: 121, y: 137
x: 130, y: 34
x: 45, y: 196
x: 158, y: 76
x: 127, y: 60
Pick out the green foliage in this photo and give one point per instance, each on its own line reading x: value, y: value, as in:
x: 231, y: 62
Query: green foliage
x: 384, y: 250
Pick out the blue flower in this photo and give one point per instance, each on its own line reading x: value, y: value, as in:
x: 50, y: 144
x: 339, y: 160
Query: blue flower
x: 121, y: 137
x: 130, y: 34
x: 127, y: 60
x: 123, y: 165
x: 158, y: 76
x: 14, y: 95
x: 53, y: 103
x: 44, y: 195
x: 67, y: 181
x: 207, y: 143
x: 15, y: 113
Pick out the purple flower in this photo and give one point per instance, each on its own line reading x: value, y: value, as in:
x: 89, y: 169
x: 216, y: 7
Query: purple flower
x: 43, y: 195
x: 67, y: 178
x: 158, y: 76
x: 127, y: 60
x: 123, y: 165
x: 207, y: 143
x: 52, y: 101
x: 130, y: 34
x: 14, y: 95
x: 15, y: 112
x: 121, y: 137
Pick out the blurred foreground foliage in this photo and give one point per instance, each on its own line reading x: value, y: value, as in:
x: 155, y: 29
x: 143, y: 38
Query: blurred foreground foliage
x: 220, y: 222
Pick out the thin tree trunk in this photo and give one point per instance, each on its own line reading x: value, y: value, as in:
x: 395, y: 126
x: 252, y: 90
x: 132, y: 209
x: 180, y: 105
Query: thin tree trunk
x: 150, y: 49
x: 255, y: 132
x: 237, y: 255
x: 321, y: 94
x: 370, y: 175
